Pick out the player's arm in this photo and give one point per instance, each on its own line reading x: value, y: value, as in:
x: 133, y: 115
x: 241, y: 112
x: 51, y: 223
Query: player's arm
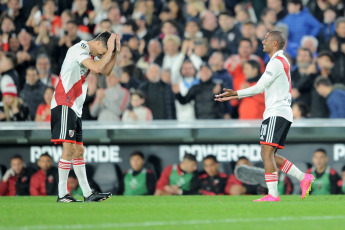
x: 110, y: 65
x: 98, y: 66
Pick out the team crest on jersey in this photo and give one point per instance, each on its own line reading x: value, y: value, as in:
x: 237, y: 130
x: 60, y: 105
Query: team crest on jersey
x: 83, y: 45
x: 71, y: 133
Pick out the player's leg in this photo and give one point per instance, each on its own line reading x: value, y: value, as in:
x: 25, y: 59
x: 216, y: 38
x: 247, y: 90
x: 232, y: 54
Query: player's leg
x: 271, y: 171
x: 80, y: 171
x: 64, y: 167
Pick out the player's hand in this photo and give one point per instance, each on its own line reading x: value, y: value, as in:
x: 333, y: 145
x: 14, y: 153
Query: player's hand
x: 9, y: 173
x: 111, y: 42
x: 118, y: 43
x: 228, y: 95
x: 176, y: 88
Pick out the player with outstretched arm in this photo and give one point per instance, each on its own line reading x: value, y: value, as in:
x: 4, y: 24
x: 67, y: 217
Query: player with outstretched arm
x: 276, y: 83
x: 98, y: 55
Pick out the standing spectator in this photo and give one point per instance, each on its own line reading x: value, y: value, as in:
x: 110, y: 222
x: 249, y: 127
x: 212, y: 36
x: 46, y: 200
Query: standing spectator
x: 33, y: 91
x: 16, y: 180
x: 115, y: 18
x: 307, y: 25
x: 335, y: 97
x: 7, y: 27
x: 327, y: 28
x: 279, y: 9
x: 227, y: 34
x: 128, y: 79
x: 110, y: 103
x: 138, y: 180
x: 44, y: 71
x: 248, y: 31
x: 154, y: 55
x: 251, y: 107
x: 269, y: 18
x: 300, y: 110
x: 203, y: 95
x: 45, y: 181
x: 84, y: 19
x: 8, y: 72
x: 179, y: 179
x: 326, y: 178
x: 171, y: 44
x: 69, y: 39
x: 159, y: 97
x: 11, y: 107
x: 311, y: 43
x: 212, y: 182
x: 299, y: 76
x: 15, y: 11
x: 43, y: 112
x: 209, y: 24
x: 137, y: 111
x: 337, y: 46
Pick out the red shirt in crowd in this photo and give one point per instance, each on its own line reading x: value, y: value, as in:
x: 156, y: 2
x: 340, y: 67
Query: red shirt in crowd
x: 40, y: 110
x: 8, y: 188
x: 38, y: 184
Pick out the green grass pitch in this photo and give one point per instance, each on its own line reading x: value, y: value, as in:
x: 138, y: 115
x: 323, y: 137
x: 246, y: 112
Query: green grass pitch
x: 174, y: 212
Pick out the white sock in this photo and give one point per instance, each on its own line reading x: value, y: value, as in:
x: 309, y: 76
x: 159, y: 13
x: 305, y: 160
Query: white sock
x: 64, y: 168
x: 272, y: 183
x: 292, y: 170
x: 80, y: 171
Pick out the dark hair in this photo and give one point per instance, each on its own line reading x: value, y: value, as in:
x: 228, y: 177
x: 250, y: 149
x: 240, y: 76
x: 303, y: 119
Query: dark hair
x: 31, y: 68
x: 137, y: 153
x: 306, y: 50
x: 279, y: 37
x: 303, y: 107
x: 296, y: 2
x: 103, y: 37
x: 265, y: 11
x: 248, y: 23
x: 190, y: 157
x: 49, y: 87
x: 212, y: 157
x: 254, y: 64
x: 12, y: 57
x: 321, y: 150
x: 72, y: 174
x: 46, y: 154
x: 72, y: 22
x: 105, y: 20
x: 322, y: 81
x: 245, y: 40
x: 343, y: 168
x: 17, y: 156
x: 226, y: 13
x: 132, y: 23
x: 139, y: 93
x: 326, y: 53
x: 242, y: 158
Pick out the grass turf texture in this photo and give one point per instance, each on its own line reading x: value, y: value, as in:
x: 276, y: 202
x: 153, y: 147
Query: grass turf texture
x: 174, y: 212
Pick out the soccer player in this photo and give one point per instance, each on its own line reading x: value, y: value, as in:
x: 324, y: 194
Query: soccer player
x: 99, y: 56
x: 276, y: 83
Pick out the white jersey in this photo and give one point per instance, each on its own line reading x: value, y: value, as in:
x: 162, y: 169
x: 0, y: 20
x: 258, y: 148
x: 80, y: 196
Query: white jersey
x: 72, y: 86
x: 276, y: 82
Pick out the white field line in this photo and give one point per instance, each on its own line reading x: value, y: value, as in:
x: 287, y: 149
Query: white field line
x: 174, y: 223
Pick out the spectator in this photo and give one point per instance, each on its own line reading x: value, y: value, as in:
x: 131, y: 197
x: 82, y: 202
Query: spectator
x: 45, y: 181
x: 8, y: 72
x: 327, y: 28
x: 209, y: 24
x: 192, y: 29
x: 138, y: 180
x: 248, y: 31
x: 279, y: 9
x: 11, y: 107
x: 136, y: 111
x: 66, y: 16
x: 159, y: 97
x: 45, y: 41
x: 203, y: 95
x: 126, y: 59
x: 236, y: 187
x: 33, y: 92
x: 179, y: 179
x: 15, y: 11
x: 343, y: 179
x: 185, y: 112
x: 69, y: 39
x: 73, y: 186
x: 7, y: 27
x: 227, y: 35
x: 194, y: 9
x: 128, y: 80
x: 201, y: 48
x: 84, y: 19
x: 326, y: 178
x: 176, y: 11
x: 16, y: 180
x: 43, y: 112
x: 171, y: 44
x: 300, y: 110
x: 110, y: 103
x: 307, y: 25
x: 251, y: 107
x: 115, y: 18
x: 337, y: 46
x: 154, y: 55
x: 142, y: 32
x: 311, y: 43
x: 90, y: 97
x: 104, y: 25
x: 44, y: 71
x: 335, y: 97
x: 212, y: 182
x: 299, y: 76
x: 269, y: 18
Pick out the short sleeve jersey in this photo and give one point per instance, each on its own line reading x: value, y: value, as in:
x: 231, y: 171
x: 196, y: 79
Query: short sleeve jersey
x: 276, y: 82
x: 72, y: 87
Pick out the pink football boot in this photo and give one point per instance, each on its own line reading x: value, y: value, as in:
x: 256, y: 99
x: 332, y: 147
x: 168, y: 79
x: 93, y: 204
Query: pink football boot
x: 306, y: 185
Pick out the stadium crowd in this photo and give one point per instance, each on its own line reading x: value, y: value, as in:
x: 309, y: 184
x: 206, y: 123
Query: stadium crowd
x: 41, y: 179
x: 176, y: 54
